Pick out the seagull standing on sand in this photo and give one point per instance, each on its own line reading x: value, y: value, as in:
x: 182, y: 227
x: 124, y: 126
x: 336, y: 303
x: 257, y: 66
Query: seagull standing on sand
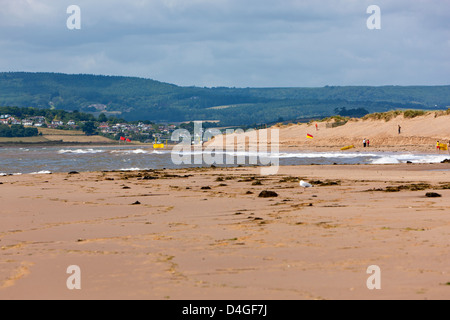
x: 305, y: 184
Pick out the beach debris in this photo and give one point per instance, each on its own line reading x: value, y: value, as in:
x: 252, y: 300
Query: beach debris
x: 249, y: 192
x: 148, y: 177
x: 268, y: 194
x: 290, y: 179
x: 206, y: 188
x: 257, y: 183
x: 446, y: 161
x: 126, y: 187
x: 410, y: 187
x: 325, y: 183
x: 136, y: 203
x: 444, y: 186
x: 74, y: 172
x: 305, y: 184
x: 247, y: 179
x: 433, y: 195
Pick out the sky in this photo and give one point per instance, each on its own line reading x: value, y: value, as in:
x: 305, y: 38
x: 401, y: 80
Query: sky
x: 232, y: 43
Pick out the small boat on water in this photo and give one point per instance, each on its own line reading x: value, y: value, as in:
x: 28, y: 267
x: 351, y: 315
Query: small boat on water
x: 158, y: 145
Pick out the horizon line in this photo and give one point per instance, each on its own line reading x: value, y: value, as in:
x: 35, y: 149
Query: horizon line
x: 218, y: 87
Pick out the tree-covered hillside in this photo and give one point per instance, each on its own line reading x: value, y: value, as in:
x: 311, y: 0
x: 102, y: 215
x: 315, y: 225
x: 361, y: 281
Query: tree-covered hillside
x: 144, y: 99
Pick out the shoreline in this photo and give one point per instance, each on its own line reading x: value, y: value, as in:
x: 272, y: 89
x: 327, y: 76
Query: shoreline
x: 51, y: 143
x: 148, y: 158
x: 437, y: 166
x: 428, y: 149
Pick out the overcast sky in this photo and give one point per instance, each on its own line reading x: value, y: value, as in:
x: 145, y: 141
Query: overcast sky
x: 234, y: 43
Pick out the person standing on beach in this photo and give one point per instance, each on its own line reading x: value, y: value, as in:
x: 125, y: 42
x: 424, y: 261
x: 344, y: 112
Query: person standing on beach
x: 368, y: 143
x: 364, y: 142
x: 438, y: 146
x: 317, y: 127
x: 399, y: 129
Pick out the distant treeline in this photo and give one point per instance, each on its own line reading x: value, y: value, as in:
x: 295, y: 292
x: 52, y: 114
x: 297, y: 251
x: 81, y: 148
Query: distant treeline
x: 145, y: 99
x: 17, y: 131
x: 49, y: 114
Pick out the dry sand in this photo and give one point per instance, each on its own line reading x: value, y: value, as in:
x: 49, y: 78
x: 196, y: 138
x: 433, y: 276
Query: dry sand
x: 417, y: 135
x: 185, y: 242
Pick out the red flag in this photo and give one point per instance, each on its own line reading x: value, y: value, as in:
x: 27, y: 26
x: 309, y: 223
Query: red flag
x: 128, y: 140
x: 122, y: 139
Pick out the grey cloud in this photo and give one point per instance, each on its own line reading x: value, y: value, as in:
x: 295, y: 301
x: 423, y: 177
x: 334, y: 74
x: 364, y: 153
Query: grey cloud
x: 232, y: 43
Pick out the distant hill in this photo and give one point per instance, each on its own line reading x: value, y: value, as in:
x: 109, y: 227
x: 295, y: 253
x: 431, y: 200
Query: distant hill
x: 145, y: 99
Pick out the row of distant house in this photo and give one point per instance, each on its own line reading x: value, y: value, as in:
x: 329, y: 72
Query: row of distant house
x: 104, y: 127
x: 37, y: 121
x: 134, y: 128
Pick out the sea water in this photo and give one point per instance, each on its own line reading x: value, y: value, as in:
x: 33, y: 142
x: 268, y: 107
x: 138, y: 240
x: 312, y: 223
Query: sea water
x: 44, y: 160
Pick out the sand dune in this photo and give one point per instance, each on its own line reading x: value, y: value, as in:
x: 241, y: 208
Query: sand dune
x: 417, y: 134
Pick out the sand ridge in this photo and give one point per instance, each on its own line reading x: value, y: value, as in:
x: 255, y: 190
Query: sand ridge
x: 418, y: 134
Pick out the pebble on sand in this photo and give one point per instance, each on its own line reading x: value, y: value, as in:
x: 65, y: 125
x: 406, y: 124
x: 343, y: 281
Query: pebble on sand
x: 433, y: 195
x: 268, y: 194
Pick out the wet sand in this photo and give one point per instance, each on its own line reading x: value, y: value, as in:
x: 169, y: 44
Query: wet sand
x: 205, y: 233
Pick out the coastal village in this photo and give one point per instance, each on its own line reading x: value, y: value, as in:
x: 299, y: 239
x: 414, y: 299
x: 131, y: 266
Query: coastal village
x: 38, y: 121
x: 145, y: 131
x: 30, y: 122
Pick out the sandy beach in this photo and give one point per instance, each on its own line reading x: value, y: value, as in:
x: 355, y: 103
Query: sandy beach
x: 224, y: 158
x: 206, y: 233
